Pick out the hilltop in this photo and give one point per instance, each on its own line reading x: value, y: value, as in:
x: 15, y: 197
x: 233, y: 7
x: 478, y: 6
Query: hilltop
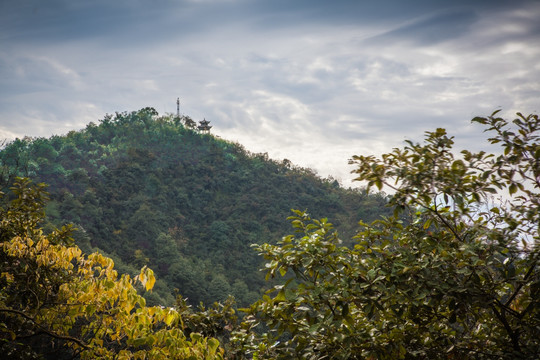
x: 152, y: 190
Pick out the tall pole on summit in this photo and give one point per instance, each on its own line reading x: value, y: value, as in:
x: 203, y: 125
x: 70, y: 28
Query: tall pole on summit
x: 178, y: 107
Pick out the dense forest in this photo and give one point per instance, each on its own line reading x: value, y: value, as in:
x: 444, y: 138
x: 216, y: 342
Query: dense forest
x: 152, y: 190
x: 451, y: 272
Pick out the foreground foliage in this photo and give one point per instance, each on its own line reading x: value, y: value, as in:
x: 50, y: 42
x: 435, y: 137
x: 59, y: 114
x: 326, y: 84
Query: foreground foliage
x: 56, y: 302
x: 452, y: 274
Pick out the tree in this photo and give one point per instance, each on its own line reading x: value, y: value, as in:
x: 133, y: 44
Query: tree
x: 454, y: 273
x: 56, y: 302
x: 189, y: 122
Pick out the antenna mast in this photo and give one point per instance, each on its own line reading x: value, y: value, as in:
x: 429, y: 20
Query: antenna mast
x: 178, y: 107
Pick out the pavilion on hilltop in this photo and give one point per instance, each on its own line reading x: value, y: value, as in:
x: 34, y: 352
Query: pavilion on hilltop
x: 204, y: 126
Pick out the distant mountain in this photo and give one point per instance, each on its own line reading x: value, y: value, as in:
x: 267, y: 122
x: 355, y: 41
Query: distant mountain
x: 152, y: 190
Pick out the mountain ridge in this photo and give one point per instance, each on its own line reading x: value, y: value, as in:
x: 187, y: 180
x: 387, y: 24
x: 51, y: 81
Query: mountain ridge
x: 149, y: 190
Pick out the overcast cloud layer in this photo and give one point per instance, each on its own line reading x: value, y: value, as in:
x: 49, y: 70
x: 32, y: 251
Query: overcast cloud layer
x: 311, y: 81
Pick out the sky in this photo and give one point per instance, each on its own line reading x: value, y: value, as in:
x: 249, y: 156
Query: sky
x: 311, y: 81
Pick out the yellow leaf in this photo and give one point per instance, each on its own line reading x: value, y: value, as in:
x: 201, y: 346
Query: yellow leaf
x: 169, y: 318
x: 151, y: 280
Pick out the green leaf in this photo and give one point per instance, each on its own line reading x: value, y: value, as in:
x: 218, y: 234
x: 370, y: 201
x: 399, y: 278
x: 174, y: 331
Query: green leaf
x: 213, y: 345
x: 313, y: 329
x: 280, y: 296
x: 90, y: 309
x: 345, y: 309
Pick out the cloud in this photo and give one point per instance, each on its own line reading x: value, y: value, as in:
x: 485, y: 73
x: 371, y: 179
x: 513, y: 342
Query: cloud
x: 430, y: 30
x: 311, y: 81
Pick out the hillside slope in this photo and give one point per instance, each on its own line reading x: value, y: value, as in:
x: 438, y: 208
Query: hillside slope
x: 149, y: 190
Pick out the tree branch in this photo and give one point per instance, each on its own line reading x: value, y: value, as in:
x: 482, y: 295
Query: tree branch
x: 523, y: 282
x: 440, y: 217
x: 502, y: 319
x: 45, y: 330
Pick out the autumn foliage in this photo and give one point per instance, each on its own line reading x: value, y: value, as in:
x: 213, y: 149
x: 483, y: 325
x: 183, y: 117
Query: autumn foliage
x: 57, y: 302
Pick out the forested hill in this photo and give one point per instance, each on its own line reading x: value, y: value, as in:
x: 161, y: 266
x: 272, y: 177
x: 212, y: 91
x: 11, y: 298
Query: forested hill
x: 149, y: 190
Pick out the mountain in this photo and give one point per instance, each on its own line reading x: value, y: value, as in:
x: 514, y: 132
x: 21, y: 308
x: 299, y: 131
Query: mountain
x: 152, y: 190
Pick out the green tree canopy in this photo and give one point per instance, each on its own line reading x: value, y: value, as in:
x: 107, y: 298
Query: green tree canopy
x: 453, y: 274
